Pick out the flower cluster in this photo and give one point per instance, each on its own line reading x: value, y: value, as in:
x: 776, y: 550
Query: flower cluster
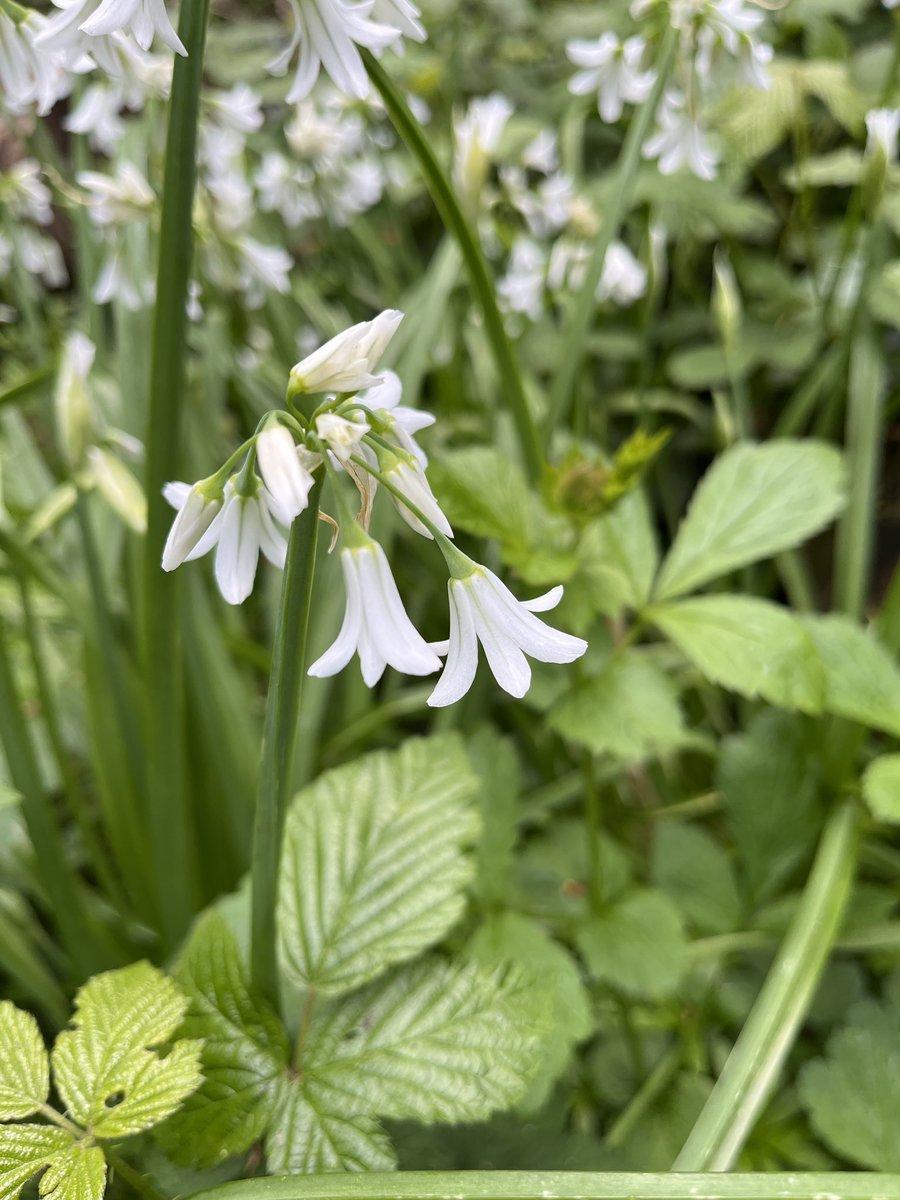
x: 361, y: 432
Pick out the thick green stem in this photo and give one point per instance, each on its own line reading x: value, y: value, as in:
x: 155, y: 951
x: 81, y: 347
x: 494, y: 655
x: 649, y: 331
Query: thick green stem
x: 279, y: 734
x: 768, y: 1034
x: 454, y: 219
x: 573, y: 338
x: 561, y: 1185
x: 167, y: 802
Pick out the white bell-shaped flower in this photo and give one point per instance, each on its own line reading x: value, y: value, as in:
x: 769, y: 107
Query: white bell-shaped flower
x: 286, y: 469
x: 347, y: 362
x: 613, y: 70
x: 409, y: 478
x: 197, y: 507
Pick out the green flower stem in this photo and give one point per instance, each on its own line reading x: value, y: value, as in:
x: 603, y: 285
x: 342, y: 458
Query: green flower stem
x: 454, y: 219
x: 279, y: 735
x: 167, y: 801
x: 768, y: 1034
x: 561, y: 1185
x: 573, y: 337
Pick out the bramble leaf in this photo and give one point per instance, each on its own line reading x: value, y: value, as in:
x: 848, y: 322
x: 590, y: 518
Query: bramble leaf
x: 111, y: 1081
x: 753, y: 502
x: 77, y: 1173
x: 374, y: 863
x: 24, y: 1066
x: 306, y: 1139
x: 25, y: 1150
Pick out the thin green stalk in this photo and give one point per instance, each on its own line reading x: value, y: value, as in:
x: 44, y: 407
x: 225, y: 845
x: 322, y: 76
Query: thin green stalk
x: 650, y: 1090
x: 167, y: 802
x: 768, y: 1034
x: 561, y: 1185
x: 454, y: 219
x: 279, y: 736
x: 573, y: 338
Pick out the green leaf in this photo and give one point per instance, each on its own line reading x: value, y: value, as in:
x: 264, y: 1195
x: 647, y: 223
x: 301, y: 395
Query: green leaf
x: 755, y: 501
x: 305, y: 1140
x: 629, y: 710
x: 496, y: 764
x: 374, y: 863
x: 111, y: 1080
x: 637, y: 945
x: 862, y: 680
x: 749, y: 646
x: 245, y: 1051
x: 24, y: 1066
x: 24, y: 1150
x: 618, y: 555
x: 881, y: 788
x: 78, y: 1173
x: 853, y: 1094
x: 692, y: 868
x: 436, y: 1041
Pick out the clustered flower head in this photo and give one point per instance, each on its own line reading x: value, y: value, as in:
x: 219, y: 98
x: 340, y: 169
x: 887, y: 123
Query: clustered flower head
x: 359, y: 431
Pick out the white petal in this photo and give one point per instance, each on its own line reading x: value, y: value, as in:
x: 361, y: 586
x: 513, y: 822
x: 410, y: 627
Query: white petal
x: 344, y: 646
x: 462, y: 659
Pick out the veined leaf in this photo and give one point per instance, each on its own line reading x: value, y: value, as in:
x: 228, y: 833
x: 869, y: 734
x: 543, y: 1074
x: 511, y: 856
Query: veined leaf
x: 24, y: 1066
x: 637, y: 945
x: 374, y: 868
x: 862, y: 679
x: 305, y: 1140
x: 748, y: 645
x: 434, y: 1042
x: 753, y: 502
x: 881, y: 788
x: 111, y: 1081
x: 24, y: 1150
x: 245, y: 1051
x: 77, y: 1173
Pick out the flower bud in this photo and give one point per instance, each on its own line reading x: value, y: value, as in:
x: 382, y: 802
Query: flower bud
x: 286, y: 468
x: 347, y: 362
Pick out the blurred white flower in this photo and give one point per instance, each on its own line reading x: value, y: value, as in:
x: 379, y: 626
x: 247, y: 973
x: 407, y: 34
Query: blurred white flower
x: 482, y: 609
x: 401, y: 15
x: 611, y: 69
x: 115, y: 282
x: 476, y: 136
x: 116, y: 198
x: 521, y: 290
x: 376, y: 625
x: 71, y: 400
x: 262, y: 268
x: 542, y: 154
x: 346, y: 362
x: 97, y: 116
x: 41, y: 256
x: 883, y: 126
x: 679, y: 140
x: 96, y: 19
x: 28, y: 75
x: 25, y: 195
x: 624, y: 279
x: 239, y: 108
x: 286, y: 469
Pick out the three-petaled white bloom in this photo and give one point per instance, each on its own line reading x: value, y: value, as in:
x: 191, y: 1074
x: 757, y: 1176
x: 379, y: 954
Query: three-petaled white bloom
x: 613, y: 70
x: 376, y: 625
x: 679, y: 140
x: 346, y: 363
x: 286, y: 469
x: 482, y: 609
x: 883, y: 126
x: 145, y: 19
x: 197, y: 507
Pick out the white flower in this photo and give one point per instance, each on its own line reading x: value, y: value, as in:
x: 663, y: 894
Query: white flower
x: 41, y: 256
x: 624, y: 279
x: 542, y: 153
x: 239, y: 109
x: 28, y: 75
x: 611, y: 69
x: 882, y: 126
x: 410, y: 479
x: 341, y: 435
x: 384, y: 399
x: 346, y: 363
x: 679, y: 140
x: 116, y: 282
x: 375, y: 625
x: 117, y: 199
x: 286, y: 469
x: 522, y: 288
x: 197, y: 507
x: 97, y: 116
x: 402, y: 15
x: 145, y: 19
x: 71, y: 400
x: 476, y: 136
x: 482, y: 609
x: 328, y: 33
x: 261, y: 269
x: 25, y: 195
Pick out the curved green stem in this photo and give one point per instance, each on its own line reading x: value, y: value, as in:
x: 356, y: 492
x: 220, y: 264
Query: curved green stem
x: 768, y: 1034
x: 168, y: 810
x: 279, y: 734
x: 455, y: 221
x: 574, y: 335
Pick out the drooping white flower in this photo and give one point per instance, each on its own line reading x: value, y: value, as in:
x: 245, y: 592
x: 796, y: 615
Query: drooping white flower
x: 624, y: 279
x: 144, y: 19
x: 286, y: 469
x: 476, y: 136
x: 613, y: 70
x: 41, y: 256
x: 482, y: 609
x: 376, y: 625
x: 25, y: 195
x: 29, y: 75
x: 679, y: 140
x: 346, y: 363
x: 328, y: 34
x: 521, y: 289
x: 542, y: 153
x: 115, y: 282
x: 407, y: 475
x: 197, y: 506
x: 97, y: 116
x: 116, y: 199
x: 262, y: 269
x: 882, y: 127
x: 401, y: 15
x: 383, y: 398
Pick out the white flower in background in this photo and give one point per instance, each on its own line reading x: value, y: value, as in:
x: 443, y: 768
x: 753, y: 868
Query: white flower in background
x: 261, y: 269
x: 25, y: 195
x: 883, y: 126
x: 241, y: 528
x: 890, y: 3
x: 41, y: 256
x: 328, y: 34
x: 482, y: 609
x: 239, y: 109
x: 71, y: 400
x: 521, y: 290
x: 376, y: 625
x: 119, y: 198
x: 360, y: 189
x: 80, y: 22
x: 409, y: 477
x: 29, y: 76
x: 679, y: 140
x: 476, y: 136
x: 286, y: 469
x: 346, y: 362
x: 612, y: 70
x: 284, y: 187
x: 383, y: 399
x: 401, y: 15
x: 624, y: 279
x: 542, y: 154
x: 115, y: 282
x: 97, y: 116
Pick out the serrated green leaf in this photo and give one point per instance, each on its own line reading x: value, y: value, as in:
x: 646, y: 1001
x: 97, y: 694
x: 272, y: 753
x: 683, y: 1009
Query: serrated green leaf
x: 629, y: 710
x: 862, y: 681
x: 881, y: 788
x: 374, y: 863
x: 78, y: 1173
x: 245, y: 1051
x: 24, y: 1150
x: 111, y: 1080
x: 755, y: 501
x: 436, y: 1041
x: 637, y: 945
x: 749, y: 646
x: 24, y: 1066
x: 305, y: 1140
x: 618, y: 555
x: 853, y: 1094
